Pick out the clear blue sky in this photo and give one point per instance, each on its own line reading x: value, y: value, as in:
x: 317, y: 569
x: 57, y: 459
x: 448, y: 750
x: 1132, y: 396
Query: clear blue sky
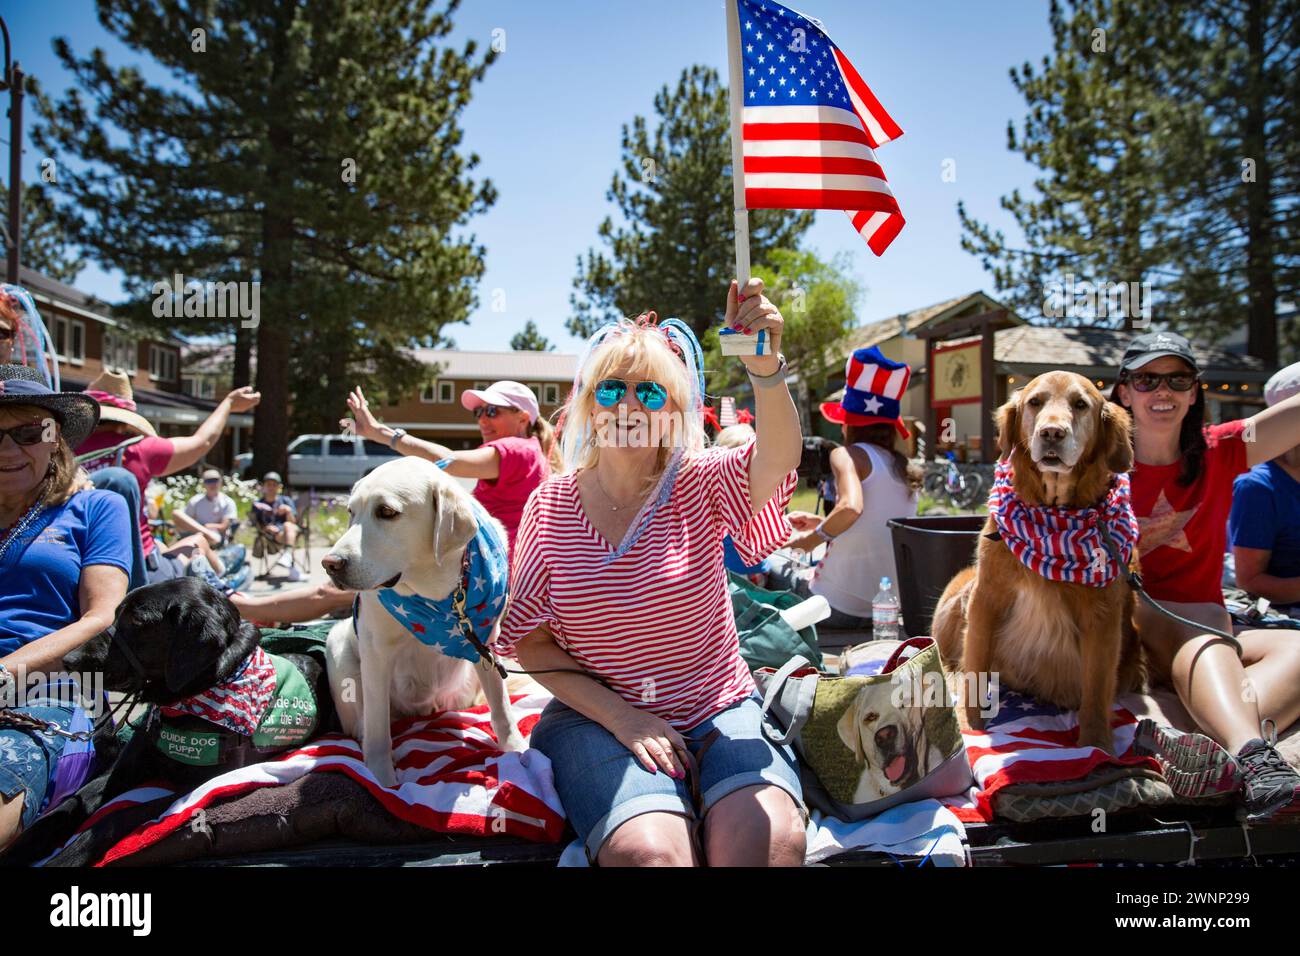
x: 546, y: 124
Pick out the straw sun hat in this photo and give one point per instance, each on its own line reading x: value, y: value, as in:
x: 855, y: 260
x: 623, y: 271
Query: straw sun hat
x: 117, y: 402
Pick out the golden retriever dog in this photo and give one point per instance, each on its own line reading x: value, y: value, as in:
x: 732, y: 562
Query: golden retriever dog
x: 1072, y: 645
x: 411, y: 523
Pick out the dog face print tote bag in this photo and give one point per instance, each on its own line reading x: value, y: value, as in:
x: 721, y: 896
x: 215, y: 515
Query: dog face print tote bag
x: 883, y: 734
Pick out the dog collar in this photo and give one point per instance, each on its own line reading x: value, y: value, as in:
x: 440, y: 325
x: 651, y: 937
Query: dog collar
x: 460, y: 624
x: 1065, y: 544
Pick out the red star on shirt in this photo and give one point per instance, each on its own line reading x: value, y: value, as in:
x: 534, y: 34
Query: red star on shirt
x: 1164, y: 526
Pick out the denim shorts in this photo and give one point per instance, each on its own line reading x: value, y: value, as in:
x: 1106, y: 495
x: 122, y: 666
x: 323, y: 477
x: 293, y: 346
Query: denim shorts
x: 29, y: 760
x: 602, y: 785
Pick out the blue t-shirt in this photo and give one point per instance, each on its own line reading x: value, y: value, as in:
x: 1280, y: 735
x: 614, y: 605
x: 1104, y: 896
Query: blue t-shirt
x: 263, y: 511
x: 1266, y: 515
x: 40, y: 575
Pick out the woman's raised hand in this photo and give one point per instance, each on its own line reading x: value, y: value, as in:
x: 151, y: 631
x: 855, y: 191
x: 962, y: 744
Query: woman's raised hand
x: 748, y: 311
x: 652, y: 740
x: 362, y: 422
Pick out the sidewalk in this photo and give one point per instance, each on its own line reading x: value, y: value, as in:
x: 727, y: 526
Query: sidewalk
x: 277, y: 581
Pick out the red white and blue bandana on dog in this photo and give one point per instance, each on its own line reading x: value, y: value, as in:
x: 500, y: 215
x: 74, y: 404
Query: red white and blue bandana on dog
x: 484, y: 578
x: 1065, y: 544
x: 239, y: 702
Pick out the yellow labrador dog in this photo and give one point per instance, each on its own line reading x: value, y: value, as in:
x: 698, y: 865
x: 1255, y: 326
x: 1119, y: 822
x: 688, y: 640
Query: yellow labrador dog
x: 410, y: 526
x: 891, y: 740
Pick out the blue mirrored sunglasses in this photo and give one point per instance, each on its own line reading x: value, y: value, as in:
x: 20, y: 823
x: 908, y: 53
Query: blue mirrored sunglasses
x: 610, y: 391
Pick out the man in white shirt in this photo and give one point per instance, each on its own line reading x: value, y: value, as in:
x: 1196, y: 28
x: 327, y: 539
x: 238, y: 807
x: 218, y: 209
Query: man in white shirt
x: 211, y: 512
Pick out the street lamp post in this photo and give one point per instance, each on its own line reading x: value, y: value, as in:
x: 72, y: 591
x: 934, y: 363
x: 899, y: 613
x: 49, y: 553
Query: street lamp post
x: 13, y: 82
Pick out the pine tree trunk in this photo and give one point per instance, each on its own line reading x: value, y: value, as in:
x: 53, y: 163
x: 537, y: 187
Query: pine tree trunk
x: 243, y: 356
x: 1262, y: 315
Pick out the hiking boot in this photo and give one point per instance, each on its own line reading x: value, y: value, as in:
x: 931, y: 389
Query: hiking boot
x: 1270, y: 784
x: 1194, y: 766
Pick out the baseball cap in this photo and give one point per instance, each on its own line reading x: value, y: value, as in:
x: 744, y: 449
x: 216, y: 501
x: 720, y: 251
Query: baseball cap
x: 273, y: 476
x: 211, y: 474
x: 1153, y: 345
x: 506, y: 394
x: 1283, y: 384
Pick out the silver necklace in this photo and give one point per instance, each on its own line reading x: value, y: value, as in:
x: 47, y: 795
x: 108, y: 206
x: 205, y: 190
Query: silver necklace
x: 608, y: 497
x: 20, y: 527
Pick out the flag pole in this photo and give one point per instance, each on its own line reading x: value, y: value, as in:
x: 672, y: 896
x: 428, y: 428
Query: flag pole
x: 736, y: 72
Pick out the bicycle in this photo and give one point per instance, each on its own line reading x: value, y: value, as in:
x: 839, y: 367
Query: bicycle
x: 961, y: 487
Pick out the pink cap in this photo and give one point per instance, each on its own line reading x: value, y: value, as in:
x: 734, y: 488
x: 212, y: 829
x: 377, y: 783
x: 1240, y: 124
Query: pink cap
x: 506, y: 394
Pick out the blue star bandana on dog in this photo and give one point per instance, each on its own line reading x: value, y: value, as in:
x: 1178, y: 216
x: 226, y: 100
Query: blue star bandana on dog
x: 460, y: 624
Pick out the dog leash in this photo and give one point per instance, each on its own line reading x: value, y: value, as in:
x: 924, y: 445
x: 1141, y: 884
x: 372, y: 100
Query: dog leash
x: 1134, y: 581
x: 10, y: 716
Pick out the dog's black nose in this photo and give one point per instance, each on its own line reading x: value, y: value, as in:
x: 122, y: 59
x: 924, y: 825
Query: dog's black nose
x: 885, y: 736
x: 1052, y: 433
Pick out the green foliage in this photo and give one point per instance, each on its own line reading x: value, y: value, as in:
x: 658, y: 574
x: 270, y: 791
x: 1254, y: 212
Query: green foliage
x: 179, y: 489
x: 1142, y: 146
x: 529, y: 339
x: 673, y: 250
x: 818, y: 301
x: 311, y: 147
x: 45, y: 243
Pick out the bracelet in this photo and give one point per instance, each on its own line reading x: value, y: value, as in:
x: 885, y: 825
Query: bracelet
x: 770, y: 381
x: 397, y: 436
x: 820, y: 531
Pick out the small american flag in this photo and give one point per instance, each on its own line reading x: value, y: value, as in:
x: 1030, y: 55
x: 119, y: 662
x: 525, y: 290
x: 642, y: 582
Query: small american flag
x: 727, y: 417
x: 810, y: 124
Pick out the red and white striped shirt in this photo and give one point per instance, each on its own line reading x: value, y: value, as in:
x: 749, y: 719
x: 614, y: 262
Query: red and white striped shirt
x: 655, y: 622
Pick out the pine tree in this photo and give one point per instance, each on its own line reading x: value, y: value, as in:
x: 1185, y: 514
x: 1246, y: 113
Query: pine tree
x: 529, y: 339
x: 1168, y: 156
x: 45, y: 243
x: 674, y: 250
x: 818, y: 301
x: 1234, y: 166
x: 313, y: 148
x: 1092, y: 116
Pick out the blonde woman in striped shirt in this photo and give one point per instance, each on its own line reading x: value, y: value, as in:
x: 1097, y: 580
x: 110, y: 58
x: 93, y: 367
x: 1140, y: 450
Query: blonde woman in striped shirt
x: 619, y: 604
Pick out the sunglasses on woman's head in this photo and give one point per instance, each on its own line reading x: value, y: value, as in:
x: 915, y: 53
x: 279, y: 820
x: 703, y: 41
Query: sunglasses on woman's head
x: 610, y: 391
x: 32, y: 433
x: 490, y: 411
x: 1150, y: 381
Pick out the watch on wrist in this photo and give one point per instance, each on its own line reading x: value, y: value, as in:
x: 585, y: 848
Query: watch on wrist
x: 397, y: 436
x: 820, y: 531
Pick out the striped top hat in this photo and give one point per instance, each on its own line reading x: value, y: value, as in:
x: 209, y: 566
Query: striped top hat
x: 873, y: 387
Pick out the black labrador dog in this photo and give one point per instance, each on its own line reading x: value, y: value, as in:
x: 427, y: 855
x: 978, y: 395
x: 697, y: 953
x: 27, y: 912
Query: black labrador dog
x: 169, y: 642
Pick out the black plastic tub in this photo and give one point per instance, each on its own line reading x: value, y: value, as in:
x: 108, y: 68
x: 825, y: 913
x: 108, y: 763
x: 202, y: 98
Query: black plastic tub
x: 928, y: 551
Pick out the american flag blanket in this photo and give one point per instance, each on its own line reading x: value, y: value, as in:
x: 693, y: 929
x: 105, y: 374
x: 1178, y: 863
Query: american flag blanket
x: 1032, y: 742
x: 451, y: 779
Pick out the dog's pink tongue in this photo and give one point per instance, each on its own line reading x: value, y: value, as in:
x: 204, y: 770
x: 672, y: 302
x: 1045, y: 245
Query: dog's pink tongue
x: 894, y: 769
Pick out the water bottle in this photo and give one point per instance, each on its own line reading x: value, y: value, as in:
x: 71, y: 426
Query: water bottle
x: 884, y: 612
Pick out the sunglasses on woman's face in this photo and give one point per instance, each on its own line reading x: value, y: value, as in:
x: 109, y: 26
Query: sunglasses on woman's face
x: 489, y: 411
x: 1150, y: 381
x: 6, y: 335
x: 29, y: 434
x: 610, y: 392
